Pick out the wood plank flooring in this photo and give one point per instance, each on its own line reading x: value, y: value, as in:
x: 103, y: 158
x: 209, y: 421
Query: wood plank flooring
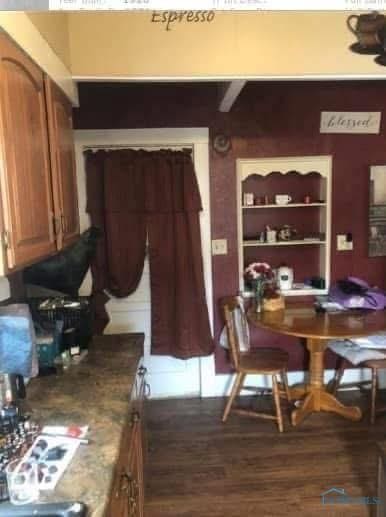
x: 199, y: 467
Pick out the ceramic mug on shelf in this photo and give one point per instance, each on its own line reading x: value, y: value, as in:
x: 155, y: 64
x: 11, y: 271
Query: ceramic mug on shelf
x: 248, y: 199
x: 282, y: 199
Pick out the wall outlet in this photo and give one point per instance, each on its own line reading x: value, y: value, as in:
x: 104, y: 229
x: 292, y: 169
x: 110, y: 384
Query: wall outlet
x: 219, y: 247
x: 344, y: 242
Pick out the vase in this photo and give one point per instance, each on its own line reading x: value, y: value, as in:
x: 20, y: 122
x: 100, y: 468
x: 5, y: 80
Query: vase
x: 258, y: 291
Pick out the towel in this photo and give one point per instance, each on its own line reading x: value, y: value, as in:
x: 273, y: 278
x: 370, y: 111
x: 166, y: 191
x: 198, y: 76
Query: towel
x: 17, y: 341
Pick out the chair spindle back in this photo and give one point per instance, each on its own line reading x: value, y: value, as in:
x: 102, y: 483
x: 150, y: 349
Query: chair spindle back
x: 236, y: 326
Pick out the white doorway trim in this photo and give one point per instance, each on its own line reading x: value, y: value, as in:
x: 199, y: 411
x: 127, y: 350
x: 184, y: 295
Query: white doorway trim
x: 198, y: 140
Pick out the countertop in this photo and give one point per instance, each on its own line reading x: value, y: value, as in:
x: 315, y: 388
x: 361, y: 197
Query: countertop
x: 96, y: 393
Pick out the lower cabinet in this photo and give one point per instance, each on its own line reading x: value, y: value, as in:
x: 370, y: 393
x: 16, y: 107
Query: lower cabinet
x: 127, y: 495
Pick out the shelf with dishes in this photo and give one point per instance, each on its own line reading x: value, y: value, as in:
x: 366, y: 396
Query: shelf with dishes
x: 284, y: 218
x: 302, y: 242
x: 289, y: 205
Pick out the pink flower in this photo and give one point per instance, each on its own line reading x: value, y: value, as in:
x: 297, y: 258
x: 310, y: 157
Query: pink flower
x: 258, y: 270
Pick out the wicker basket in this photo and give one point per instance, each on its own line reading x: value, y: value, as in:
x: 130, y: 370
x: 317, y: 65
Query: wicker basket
x: 273, y: 304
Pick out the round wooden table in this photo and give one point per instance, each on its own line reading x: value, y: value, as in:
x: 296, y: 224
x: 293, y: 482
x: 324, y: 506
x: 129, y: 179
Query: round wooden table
x: 318, y: 328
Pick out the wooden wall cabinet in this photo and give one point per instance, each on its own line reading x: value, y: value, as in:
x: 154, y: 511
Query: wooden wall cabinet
x: 37, y: 171
x: 59, y: 112
x: 28, y: 231
x: 127, y: 494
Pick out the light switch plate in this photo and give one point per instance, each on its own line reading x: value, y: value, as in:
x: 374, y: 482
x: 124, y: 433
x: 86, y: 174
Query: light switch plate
x: 342, y: 244
x: 219, y: 247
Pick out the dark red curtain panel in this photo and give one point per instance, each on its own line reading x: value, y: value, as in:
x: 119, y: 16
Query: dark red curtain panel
x: 134, y: 195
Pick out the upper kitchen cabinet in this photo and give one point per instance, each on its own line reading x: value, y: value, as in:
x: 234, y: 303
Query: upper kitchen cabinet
x: 25, y: 176
x: 59, y: 111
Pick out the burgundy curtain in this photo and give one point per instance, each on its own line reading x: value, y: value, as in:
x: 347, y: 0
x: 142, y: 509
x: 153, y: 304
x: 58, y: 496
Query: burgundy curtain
x: 137, y: 195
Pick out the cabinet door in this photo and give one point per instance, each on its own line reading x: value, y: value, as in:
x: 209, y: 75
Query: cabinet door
x: 135, y: 496
x: 127, y: 498
x: 118, y: 505
x: 25, y: 168
x: 61, y: 137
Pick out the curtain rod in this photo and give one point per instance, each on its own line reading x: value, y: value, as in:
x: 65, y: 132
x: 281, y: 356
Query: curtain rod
x: 106, y: 147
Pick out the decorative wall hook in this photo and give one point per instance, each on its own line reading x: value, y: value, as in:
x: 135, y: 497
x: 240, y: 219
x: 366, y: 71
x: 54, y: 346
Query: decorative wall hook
x: 222, y: 143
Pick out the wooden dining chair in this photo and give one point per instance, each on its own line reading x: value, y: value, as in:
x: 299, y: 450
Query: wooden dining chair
x: 375, y: 365
x: 263, y: 361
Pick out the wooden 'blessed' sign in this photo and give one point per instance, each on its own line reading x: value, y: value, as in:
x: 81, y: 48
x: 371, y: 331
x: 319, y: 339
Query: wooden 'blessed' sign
x: 350, y: 122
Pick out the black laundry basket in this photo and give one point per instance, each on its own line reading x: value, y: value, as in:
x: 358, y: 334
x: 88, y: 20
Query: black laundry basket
x: 74, y: 311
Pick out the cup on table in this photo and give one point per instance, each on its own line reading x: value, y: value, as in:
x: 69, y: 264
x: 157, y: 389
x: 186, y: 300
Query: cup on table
x: 23, y: 481
x: 307, y: 200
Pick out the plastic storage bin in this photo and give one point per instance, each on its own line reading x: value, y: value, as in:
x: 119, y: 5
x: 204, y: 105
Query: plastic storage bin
x: 74, y: 312
x: 48, y: 341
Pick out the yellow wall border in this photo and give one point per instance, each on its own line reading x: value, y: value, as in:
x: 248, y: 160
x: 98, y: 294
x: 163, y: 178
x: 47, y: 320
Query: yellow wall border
x: 25, y: 34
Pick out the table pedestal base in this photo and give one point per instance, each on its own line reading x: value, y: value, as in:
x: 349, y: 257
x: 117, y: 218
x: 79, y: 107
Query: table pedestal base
x: 322, y: 401
x: 315, y: 396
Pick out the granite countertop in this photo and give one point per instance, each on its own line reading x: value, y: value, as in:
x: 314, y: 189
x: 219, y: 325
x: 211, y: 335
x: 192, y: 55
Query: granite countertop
x: 96, y: 393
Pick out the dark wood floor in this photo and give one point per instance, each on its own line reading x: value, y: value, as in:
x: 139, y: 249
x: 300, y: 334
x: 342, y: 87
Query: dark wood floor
x: 199, y: 467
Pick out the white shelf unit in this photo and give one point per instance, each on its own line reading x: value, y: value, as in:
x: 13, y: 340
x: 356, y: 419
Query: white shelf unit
x: 303, y: 165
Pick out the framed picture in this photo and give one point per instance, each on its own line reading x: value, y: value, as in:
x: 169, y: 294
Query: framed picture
x: 377, y: 211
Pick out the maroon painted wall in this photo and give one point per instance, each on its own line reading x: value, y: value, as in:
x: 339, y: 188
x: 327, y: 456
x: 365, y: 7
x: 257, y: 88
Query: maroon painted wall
x: 268, y: 119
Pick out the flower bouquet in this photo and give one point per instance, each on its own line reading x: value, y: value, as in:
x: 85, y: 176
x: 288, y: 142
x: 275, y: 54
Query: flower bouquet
x: 259, y: 276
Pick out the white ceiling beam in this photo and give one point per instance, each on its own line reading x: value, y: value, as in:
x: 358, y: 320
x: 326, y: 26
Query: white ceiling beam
x: 229, y: 93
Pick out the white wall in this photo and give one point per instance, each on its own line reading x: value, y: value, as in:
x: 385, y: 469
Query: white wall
x: 4, y: 289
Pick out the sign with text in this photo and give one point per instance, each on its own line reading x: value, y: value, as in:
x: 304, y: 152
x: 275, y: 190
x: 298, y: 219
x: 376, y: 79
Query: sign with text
x: 359, y: 122
x: 223, y: 5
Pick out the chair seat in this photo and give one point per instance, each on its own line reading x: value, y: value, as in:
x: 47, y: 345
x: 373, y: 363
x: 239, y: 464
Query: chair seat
x: 264, y: 360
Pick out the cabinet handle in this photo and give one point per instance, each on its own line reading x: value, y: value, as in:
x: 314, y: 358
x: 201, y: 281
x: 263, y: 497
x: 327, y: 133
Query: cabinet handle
x: 5, y: 239
x: 63, y: 223
x: 124, y: 484
x: 133, y: 498
x: 56, y: 222
x: 132, y: 507
x: 135, y: 417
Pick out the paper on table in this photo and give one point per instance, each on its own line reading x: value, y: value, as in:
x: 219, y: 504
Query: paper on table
x: 50, y: 470
x: 375, y: 341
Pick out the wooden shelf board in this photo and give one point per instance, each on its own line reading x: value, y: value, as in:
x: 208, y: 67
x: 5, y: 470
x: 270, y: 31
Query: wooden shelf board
x: 289, y: 205
x: 311, y: 291
x: 283, y: 243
